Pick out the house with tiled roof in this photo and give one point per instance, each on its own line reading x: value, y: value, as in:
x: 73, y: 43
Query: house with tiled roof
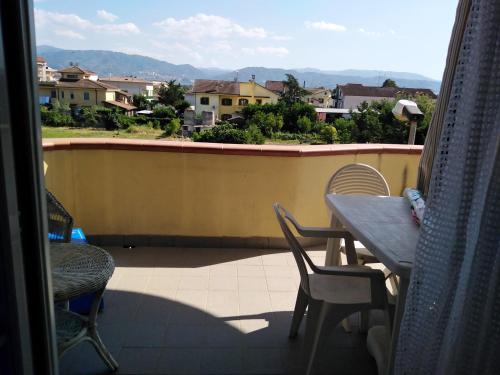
x: 320, y: 97
x: 80, y: 87
x: 132, y: 85
x: 351, y: 95
x: 278, y: 87
x: 44, y: 72
x: 227, y: 98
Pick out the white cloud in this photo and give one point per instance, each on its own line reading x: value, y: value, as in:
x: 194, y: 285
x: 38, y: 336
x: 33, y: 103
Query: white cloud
x: 375, y: 34
x: 107, y: 16
x: 60, y: 21
x: 322, y: 25
x: 204, y: 26
x: 69, y: 34
x: 273, y: 51
x: 281, y: 37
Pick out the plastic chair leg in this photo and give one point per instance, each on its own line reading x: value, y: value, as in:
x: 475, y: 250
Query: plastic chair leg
x: 300, y: 309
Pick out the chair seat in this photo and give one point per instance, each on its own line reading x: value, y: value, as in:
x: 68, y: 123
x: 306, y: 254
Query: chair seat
x: 377, y: 343
x: 340, y: 289
x: 361, y: 251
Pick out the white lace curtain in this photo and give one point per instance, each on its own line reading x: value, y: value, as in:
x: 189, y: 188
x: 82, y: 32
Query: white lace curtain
x: 451, y: 323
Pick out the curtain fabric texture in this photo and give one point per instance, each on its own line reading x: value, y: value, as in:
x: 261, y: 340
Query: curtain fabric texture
x: 451, y: 323
x: 437, y: 121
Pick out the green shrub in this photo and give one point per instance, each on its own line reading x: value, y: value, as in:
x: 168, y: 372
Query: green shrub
x: 292, y: 115
x: 304, y: 124
x: 124, y: 122
x: 172, y: 127
x: 329, y: 134
x: 344, y: 130
x: 56, y: 117
x: 89, y: 116
x: 228, y: 133
x: 164, y: 112
x: 133, y: 129
x: 298, y: 137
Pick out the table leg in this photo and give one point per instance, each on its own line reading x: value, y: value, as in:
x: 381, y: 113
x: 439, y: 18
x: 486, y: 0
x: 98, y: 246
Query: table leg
x: 398, y: 315
x: 333, y: 246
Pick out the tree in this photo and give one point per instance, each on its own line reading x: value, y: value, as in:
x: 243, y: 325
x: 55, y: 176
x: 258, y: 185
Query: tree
x: 389, y: 83
x: 140, y: 101
x: 267, y: 123
x: 164, y: 111
x: 368, y: 127
x: 304, y: 124
x: 172, y: 94
x: 293, y: 92
x: 296, y: 111
x: 344, y: 129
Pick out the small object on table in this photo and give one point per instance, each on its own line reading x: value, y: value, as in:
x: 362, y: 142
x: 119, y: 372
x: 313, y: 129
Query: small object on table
x: 80, y: 269
x: 417, y: 204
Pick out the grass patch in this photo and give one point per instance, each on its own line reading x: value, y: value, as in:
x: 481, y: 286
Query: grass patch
x: 138, y: 132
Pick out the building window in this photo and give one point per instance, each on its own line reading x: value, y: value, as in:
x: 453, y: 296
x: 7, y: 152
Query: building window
x: 321, y: 100
x: 86, y: 96
x: 62, y: 94
x: 227, y: 101
x: 225, y: 116
x: 258, y: 101
x: 72, y: 96
x: 205, y: 100
x: 53, y: 94
x: 74, y: 76
x: 243, y: 102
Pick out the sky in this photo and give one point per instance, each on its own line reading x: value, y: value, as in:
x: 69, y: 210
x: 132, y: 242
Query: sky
x: 392, y: 35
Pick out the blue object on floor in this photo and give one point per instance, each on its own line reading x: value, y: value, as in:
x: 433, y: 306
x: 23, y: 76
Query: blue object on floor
x: 77, y: 236
x: 82, y: 304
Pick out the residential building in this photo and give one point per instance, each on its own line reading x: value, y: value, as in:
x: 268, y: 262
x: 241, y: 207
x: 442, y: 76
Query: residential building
x: 352, y: 95
x: 76, y: 72
x: 227, y: 98
x: 41, y: 66
x: 132, y: 85
x: 319, y: 97
x: 81, y: 88
x: 278, y: 87
x: 331, y: 114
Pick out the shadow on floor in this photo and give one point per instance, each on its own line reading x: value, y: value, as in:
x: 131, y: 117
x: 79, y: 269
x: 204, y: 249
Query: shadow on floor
x: 154, y: 334
x: 189, y: 257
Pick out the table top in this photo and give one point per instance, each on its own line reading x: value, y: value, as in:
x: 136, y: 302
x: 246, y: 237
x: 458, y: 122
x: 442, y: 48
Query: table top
x: 78, y: 269
x: 382, y: 224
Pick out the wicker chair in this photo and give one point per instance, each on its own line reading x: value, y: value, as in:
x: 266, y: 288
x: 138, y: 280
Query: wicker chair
x: 60, y: 222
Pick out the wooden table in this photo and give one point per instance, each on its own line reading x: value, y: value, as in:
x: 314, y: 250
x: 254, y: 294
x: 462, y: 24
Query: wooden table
x: 385, y: 227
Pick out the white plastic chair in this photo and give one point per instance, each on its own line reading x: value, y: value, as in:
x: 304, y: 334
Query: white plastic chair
x: 357, y: 179
x: 331, y: 294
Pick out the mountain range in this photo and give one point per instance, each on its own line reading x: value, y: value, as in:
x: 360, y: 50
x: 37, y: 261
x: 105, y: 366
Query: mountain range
x: 107, y: 63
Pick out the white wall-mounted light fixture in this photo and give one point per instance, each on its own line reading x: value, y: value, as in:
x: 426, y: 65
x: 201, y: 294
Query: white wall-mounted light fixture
x: 406, y: 110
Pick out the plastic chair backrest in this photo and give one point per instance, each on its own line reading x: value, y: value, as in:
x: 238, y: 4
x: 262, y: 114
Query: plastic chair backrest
x: 298, y: 251
x: 357, y: 179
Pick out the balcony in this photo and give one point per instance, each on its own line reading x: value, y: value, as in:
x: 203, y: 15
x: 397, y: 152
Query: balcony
x: 204, y: 283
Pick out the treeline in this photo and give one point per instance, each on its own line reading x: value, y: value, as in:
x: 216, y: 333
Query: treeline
x: 372, y: 123
x: 60, y: 115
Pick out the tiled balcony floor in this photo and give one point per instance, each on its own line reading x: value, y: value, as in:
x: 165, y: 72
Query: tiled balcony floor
x: 208, y: 311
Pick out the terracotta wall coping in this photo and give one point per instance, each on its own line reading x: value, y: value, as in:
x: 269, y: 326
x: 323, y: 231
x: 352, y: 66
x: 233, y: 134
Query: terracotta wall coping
x: 53, y: 144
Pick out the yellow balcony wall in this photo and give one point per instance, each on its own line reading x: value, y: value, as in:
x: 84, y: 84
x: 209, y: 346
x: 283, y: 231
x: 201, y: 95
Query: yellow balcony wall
x: 125, y: 187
